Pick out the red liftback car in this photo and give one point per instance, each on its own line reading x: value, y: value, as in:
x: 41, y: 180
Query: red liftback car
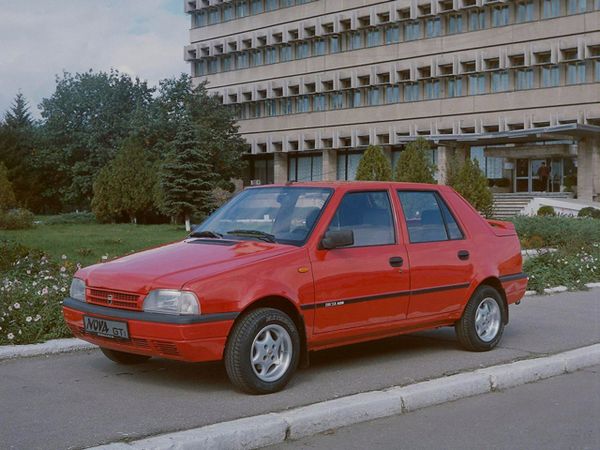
x: 283, y: 270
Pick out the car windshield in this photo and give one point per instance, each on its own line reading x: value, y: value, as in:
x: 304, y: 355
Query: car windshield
x: 273, y: 214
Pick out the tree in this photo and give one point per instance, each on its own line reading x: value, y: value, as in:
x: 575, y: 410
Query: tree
x: 468, y: 180
x: 18, y: 116
x: 7, y: 196
x: 84, y: 124
x: 187, y: 178
x: 125, y: 186
x: 413, y: 165
x: 374, y: 165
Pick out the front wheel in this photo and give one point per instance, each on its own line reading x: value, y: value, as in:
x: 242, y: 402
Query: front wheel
x: 124, y: 358
x: 262, y: 352
x: 482, y: 323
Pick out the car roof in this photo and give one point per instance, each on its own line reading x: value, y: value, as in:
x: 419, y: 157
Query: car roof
x: 353, y: 185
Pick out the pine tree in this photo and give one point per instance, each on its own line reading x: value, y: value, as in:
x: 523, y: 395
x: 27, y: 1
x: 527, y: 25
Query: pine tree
x: 18, y: 116
x: 413, y: 165
x: 374, y: 165
x: 469, y: 181
x: 186, y: 180
x: 7, y: 195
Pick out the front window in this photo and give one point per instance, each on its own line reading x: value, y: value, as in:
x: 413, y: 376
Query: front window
x: 525, y: 11
x: 285, y: 215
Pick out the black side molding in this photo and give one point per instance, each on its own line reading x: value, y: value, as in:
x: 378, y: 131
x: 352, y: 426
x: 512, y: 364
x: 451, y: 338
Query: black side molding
x: 143, y: 316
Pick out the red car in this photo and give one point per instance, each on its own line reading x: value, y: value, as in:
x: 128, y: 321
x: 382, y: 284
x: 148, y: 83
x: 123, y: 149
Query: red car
x: 283, y: 270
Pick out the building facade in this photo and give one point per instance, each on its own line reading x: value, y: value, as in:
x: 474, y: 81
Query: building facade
x: 514, y: 84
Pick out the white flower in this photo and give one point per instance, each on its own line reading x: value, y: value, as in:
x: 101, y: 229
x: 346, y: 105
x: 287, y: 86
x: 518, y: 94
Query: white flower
x: 45, y: 291
x: 104, y: 257
x: 10, y: 336
x: 28, y: 319
x: 36, y: 318
x: 62, y: 289
x: 62, y: 269
x: 16, y: 305
x: 64, y: 257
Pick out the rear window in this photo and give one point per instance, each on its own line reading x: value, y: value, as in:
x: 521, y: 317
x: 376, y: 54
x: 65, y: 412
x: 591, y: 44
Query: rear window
x: 428, y: 218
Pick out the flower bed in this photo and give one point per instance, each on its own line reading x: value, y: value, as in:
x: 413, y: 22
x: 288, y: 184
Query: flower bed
x: 32, y: 288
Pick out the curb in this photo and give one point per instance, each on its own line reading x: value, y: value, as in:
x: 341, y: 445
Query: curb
x: 47, y: 348
x: 274, y: 428
x: 559, y: 289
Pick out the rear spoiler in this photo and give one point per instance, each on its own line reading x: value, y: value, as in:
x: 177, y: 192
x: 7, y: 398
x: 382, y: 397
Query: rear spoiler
x: 502, y: 228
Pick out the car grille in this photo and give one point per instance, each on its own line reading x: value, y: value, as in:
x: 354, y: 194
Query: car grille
x: 121, y: 300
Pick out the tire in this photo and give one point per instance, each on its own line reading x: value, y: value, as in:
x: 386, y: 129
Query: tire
x: 263, y: 351
x: 124, y: 358
x: 481, y: 326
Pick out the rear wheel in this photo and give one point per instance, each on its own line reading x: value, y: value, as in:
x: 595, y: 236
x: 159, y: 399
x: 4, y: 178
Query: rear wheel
x: 482, y: 324
x: 263, y: 351
x: 123, y: 357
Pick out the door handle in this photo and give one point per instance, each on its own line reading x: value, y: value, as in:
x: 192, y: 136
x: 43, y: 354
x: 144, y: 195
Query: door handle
x: 396, y: 261
x: 463, y: 255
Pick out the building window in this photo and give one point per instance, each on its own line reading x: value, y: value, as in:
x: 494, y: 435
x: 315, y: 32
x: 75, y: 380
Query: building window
x: 214, y: 16
x: 257, y: 6
x: 432, y: 89
x: 524, y: 79
x: 228, y: 12
x: 576, y: 73
x: 476, y: 20
x: 392, y: 34
x: 302, y: 50
x: 286, y: 52
x: 200, y: 19
x: 356, y: 98
x: 320, y: 47
x: 454, y: 87
x: 334, y: 44
x: 271, y: 5
x: 262, y: 169
x: 241, y: 8
x: 412, y: 31
x: 476, y: 84
x: 271, y: 55
x: 500, y: 81
x: 337, y: 100
x: 305, y: 168
x: 550, y: 76
x: 303, y: 104
x: 257, y: 58
x: 433, y: 27
x: 243, y: 60
x: 411, y: 92
x: 374, y: 96
x: 347, y: 164
x: 596, y: 70
x: 319, y: 102
x: 200, y: 68
x: 551, y: 8
x: 576, y: 6
x: 374, y: 37
x: 525, y: 11
x: 356, y: 40
x: 392, y: 94
x: 455, y: 23
x: 500, y: 16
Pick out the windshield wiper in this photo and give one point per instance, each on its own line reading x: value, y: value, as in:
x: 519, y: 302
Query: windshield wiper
x: 254, y: 233
x: 206, y: 234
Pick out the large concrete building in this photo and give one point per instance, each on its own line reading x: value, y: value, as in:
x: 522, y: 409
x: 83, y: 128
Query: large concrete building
x: 513, y: 84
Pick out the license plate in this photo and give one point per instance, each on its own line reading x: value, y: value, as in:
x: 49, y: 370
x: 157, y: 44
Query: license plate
x: 106, y: 328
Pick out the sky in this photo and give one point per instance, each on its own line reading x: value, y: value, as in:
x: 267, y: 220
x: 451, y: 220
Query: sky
x: 39, y: 39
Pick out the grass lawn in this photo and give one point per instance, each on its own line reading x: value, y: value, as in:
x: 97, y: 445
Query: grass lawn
x: 86, y: 243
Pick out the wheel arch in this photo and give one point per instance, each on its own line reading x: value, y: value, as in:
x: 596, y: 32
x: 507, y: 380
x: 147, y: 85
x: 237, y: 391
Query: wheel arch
x: 288, y: 307
x: 495, y: 283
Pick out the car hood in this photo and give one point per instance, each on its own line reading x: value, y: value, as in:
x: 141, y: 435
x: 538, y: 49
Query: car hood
x: 172, y: 266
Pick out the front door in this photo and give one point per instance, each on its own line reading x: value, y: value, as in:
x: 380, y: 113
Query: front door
x: 366, y: 284
x: 440, y: 256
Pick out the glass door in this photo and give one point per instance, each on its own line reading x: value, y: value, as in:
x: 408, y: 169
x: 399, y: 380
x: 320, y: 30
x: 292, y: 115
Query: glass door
x: 522, y: 179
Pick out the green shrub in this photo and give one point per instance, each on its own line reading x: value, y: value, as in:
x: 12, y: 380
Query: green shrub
x: 469, y: 181
x: 589, y: 212
x: 16, y: 219
x: 31, y: 292
x: 413, y: 165
x: 572, y: 269
x: 374, y: 166
x: 556, y: 231
x: 7, y: 194
x: 546, y: 211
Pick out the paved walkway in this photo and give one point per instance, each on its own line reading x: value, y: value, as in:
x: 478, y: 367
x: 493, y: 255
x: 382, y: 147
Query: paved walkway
x: 82, y: 399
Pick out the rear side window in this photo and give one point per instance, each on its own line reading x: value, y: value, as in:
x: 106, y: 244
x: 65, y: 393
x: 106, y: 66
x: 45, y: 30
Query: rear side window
x: 428, y: 218
x: 368, y: 215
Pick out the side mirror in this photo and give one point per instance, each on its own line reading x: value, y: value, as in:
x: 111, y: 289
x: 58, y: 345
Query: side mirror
x: 337, y: 238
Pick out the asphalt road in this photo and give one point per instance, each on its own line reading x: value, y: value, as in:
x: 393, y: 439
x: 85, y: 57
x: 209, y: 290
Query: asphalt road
x: 558, y: 413
x: 82, y: 399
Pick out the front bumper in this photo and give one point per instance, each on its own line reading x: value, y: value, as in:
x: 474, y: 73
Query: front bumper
x: 185, y: 338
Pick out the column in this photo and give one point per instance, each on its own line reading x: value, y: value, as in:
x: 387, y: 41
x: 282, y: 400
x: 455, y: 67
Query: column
x: 280, y: 168
x: 585, y: 170
x: 329, y: 164
x: 442, y: 163
x: 596, y: 169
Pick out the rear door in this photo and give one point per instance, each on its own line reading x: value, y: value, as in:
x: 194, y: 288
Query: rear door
x: 367, y: 283
x: 439, y: 252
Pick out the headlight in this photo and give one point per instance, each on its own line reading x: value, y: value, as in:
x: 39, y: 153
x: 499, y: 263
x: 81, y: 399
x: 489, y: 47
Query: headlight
x: 171, y: 302
x: 77, y: 290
